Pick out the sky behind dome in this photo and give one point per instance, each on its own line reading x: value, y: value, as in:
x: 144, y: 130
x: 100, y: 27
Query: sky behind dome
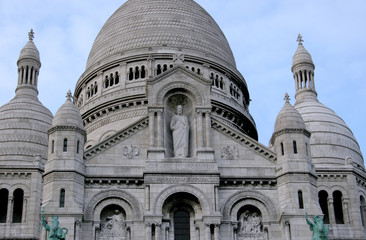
x: 262, y: 36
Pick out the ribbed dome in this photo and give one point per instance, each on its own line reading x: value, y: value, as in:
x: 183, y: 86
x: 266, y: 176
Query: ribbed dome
x: 301, y: 56
x: 29, y: 51
x: 331, y: 140
x: 289, y: 118
x: 180, y: 24
x: 68, y: 115
x: 24, y: 123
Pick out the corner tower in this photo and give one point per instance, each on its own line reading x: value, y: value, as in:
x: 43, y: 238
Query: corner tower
x: 24, y: 122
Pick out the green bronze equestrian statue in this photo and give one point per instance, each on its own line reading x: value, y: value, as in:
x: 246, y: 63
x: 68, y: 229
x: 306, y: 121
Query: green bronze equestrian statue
x: 54, y: 232
x: 319, y: 229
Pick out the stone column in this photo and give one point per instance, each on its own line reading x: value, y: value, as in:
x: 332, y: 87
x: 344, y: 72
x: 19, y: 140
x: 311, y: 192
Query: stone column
x: 346, y: 211
x: 152, y: 128
x: 148, y: 231
x: 208, y: 128
x: 331, y: 211
x: 160, y: 122
x: 216, y: 198
x: 157, y: 231
x: 207, y: 232
x: 9, y: 217
x: 199, y: 129
x: 287, y: 230
x: 77, y: 229
x: 24, y: 210
x: 147, y: 198
x: 217, y: 232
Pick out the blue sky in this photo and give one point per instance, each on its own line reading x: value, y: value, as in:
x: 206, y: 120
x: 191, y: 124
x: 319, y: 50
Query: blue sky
x: 262, y: 35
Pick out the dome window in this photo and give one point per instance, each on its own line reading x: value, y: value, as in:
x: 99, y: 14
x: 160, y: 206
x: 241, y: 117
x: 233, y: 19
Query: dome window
x: 77, y: 146
x: 53, y: 146
x: 282, y: 150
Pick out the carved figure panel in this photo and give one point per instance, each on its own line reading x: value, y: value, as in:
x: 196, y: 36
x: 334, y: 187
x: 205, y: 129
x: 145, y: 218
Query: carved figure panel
x: 250, y: 224
x: 229, y: 153
x: 180, y: 131
x: 113, y: 224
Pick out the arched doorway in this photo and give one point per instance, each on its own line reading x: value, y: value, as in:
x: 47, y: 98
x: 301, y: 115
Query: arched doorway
x: 183, y: 213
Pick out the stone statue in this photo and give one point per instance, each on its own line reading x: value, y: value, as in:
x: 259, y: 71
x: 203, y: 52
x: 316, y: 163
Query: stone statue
x: 319, y: 229
x: 114, y: 226
x: 54, y: 232
x: 179, y: 126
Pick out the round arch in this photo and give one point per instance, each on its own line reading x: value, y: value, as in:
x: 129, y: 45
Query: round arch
x: 240, y: 199
x: 179, y: 85
x: 104, y: 198
x: 203, y: 200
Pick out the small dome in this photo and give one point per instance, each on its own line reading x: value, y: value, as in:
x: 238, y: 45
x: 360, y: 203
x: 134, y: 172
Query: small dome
x: 331, y: 139
x: 301, y: 55
x: 30, y: 50
x: 289, y: 117
x: 24, y: 123
x: 68, y: 115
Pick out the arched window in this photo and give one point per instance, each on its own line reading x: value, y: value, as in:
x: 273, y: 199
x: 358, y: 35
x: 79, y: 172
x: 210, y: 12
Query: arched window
x: 306, y: 149
x: 282, y: 150
x: 111, y: 80
x: 137, y: 73
x: 323, y: 202
x: 301, y: 200
x: 62, y: 198
x: 4, y: 195
x: 106, y: 82
x: 65, y: 145
x: 130, y: 74
x: 53, y: 146
x: 362, y: 210
x: 294, y: 146
x: 18, y: 205
x: 181, y: 225
x: 77, y: 146
x: 158, y: 71
x: 338, y: 209
x: 143, y: 72
x: 116, y: 78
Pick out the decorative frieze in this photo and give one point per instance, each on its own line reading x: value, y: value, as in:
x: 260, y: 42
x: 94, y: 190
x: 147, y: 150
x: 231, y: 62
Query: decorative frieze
x: 64, y: 176
x: 181, y: 179
x: 180, y: 166
x: 15, y: 175
x: 332, y: 177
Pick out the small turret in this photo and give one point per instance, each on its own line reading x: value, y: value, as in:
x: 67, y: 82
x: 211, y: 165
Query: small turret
x: 303, y: 72
x: 29, y: 64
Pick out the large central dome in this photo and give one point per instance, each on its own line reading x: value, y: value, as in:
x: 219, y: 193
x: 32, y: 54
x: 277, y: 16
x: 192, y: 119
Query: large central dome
x: 160, y: 23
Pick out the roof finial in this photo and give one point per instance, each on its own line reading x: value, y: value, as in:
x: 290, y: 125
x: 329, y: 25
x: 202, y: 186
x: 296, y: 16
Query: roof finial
x: 31, y: 35
x: 299, y: 39
x: 287, y: 98
x: 68, y: 95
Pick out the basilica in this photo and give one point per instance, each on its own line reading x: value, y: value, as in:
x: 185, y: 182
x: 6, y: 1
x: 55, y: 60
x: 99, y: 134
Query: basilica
x: 156, y: 142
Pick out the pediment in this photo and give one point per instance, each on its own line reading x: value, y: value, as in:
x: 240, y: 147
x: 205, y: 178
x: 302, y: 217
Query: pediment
x: 241, y: 140
x: 124, y: 135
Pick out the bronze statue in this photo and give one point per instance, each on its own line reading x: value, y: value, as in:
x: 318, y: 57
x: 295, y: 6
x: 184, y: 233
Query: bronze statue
x: 319, y: 229
x: 54, y: 232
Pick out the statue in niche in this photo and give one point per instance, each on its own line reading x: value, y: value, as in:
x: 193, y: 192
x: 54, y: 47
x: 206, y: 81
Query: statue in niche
x: 250, y: 225
x: 114, y: 226
x: 180, y: 131
x: 319, y: 229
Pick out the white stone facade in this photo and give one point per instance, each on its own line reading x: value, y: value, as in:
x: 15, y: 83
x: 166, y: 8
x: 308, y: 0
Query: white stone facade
x: 105, y: 162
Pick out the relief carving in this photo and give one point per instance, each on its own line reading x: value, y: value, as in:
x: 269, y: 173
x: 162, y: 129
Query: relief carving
x: 250, y: 226
x: 114, y: 227
x: 130, y: 151
x: 229, y: 153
